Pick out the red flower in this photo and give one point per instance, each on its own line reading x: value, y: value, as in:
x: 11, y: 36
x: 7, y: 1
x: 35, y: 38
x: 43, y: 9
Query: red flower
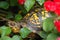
x: 21, y: 2
x: 48, y: 0
x: 58, y: 38
x: 57, y: 25
x: 57, y: 11
x: 56, y: 0
x: 50, y: 6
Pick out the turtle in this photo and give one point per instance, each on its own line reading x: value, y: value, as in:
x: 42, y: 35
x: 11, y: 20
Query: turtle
x: 34, y: 19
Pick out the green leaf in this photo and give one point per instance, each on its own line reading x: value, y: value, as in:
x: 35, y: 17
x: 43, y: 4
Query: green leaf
x: 29, y: 4
x: 5, y: 31
x: 16, y: 37
x: 18, y: 17
x: 54, y: 15
x: 4, y: 5
x: 32, y: 39
x: 43, y: 34
x: 44, y: 39
x: 0, y: 39
x: 9, y: 15
x: 24, y: 32
x: 6, y: 38
x: 13, y: 2
x: 23, y: 10
x: 48, y: 24
x: 52, y: 36
x: 21, y: 38
x: 55, y: 31
x: 40, y: 1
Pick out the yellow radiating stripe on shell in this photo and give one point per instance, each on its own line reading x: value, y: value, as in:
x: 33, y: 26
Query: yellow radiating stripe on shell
x: 46, y: 14
x: 26, y: 17
x: 43, y: 13
x: 43, y: 17
x: 31, y: 19
x: 35, y: 16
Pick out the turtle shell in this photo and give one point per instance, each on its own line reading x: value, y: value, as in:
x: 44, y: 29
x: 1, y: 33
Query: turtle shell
x: 34, y: 19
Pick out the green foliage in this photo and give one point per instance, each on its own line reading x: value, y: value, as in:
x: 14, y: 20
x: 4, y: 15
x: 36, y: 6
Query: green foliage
x: 24, y: 32
x: 40, y: 1
x: 5, y: 30
x: 4, y: 5
x: 13, y: 2
x: 55, y: 31
x: 43, y: 34
x: 52, y: 14
x: 21, y: 38
x: 44, y: 39
x: 48, y: 24
x: 48, y: 32
x: 9, y: 15
x: 6, y: 38
x: 18, y: 17
x: 52, y: 36
x: 16, y: 37
x: 29, y: 4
